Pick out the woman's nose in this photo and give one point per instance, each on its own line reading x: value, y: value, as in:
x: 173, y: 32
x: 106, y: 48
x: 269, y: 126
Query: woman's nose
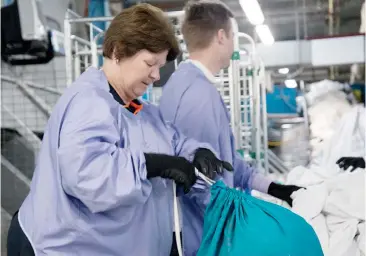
x: 155, y: 75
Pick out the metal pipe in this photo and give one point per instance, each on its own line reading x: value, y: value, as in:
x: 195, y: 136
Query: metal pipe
x: 232, y: 103
x: 338, y: 18
x: 16, y: 173
x: 43, y: 88
x: 297, y: 30
x: 71, y: 12
x: 4, y: 214
x: 246, y: 130
x: 295, y: 73
x: 251, y: 102
x: 90, y: 19
x: 264, y: 118
x: 297, y: 22
x: 68, y: 44
x: 40, y: 103
x: 77, y: 61
x: 86, y: 61
x: 94, y: 50
x: 272, y: 169
x: 80, y: 40
x: 254, y: 100
x: 273, y: 158
x: 23, y: 129
x: 276, y: 162
x: 337, y: 28
x: 257, y: 122
x: 250, y: 39
x: 92, y: 26
x: 275, y: 168
x: 68, y: 51
x: 305, y: 19
x: 83, y: 53
x: 91, y: 33
x: 330, y: 28
x: 233, y: 89
x: 330, y: 17
x: 34, y: 85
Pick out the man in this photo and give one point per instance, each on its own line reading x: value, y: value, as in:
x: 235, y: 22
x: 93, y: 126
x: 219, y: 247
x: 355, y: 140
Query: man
x: 191, y: 102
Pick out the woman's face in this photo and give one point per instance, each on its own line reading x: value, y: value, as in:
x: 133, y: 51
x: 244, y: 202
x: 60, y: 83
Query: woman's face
x: 140, y: 71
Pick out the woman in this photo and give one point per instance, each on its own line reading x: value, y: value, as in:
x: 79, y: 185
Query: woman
x: 103, y: 182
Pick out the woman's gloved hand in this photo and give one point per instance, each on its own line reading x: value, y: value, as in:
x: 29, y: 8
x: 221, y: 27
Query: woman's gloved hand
x: 282, y: 192
x: 208, y: 164
x: 175, y: 168
x: 356, y: 162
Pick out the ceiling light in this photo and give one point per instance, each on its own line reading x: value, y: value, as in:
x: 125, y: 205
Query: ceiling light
x: 283, y: 71
x: 265, y: 35
x: 253, y: 11
x: 291, y: 83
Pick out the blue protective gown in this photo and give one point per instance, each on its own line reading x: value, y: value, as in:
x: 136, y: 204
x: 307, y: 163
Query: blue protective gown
x: 89, y: 193
x: 191, y: 103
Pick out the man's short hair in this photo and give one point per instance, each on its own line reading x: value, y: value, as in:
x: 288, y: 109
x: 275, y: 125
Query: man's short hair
x: 202, y: 21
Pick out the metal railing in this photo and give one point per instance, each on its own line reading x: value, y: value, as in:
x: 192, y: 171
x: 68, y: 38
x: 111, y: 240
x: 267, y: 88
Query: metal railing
x: 23, y: 129
x: 38, y: 101
x: 80, y: 53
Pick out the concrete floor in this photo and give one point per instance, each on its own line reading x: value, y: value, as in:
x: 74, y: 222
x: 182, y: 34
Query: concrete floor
x: 5, y: 222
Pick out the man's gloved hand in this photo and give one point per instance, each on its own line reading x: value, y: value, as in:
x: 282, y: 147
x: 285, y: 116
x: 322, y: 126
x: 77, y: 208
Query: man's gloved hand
x: 207, y: 163
x: 282, y: 192
x: 356, y: 162
x: 175, y: 168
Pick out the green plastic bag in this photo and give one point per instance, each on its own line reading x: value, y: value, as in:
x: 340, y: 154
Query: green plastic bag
x: 237, y: 224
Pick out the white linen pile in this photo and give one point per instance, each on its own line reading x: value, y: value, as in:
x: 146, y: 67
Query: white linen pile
x: 326, y: 107
x: 334, y: 201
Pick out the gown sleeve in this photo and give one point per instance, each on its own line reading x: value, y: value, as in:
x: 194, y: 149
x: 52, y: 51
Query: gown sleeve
x: 93, y: 167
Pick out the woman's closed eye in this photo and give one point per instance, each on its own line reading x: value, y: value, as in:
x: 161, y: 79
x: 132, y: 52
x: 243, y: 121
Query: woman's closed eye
x: 150, y: 64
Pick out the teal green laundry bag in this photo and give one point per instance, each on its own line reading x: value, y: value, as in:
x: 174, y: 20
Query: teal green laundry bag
x: 238, y: 224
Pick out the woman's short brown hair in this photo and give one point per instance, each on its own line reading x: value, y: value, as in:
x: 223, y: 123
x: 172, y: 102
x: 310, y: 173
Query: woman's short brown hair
x: 140, y: 27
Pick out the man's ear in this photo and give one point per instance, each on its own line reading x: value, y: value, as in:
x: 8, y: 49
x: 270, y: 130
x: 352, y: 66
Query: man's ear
x: 221, y: 36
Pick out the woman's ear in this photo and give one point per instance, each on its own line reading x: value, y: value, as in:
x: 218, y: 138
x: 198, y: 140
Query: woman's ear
x: 114, y: 58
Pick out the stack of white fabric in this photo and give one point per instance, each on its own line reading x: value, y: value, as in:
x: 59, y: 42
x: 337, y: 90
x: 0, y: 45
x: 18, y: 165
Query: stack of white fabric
x: 327, y: 105
x: 334, y: 201
x: 326, y: 112
x: 322, y: 88
x: 335, y: 207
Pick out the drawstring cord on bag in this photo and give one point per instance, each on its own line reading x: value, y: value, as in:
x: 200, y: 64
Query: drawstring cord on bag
x: 178, y: 239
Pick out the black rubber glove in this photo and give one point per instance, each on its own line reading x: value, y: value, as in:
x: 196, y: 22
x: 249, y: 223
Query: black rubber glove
x: 282, y: 192
x: 207, y: 163
x: 175, y: 168
x: 356, y: 162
